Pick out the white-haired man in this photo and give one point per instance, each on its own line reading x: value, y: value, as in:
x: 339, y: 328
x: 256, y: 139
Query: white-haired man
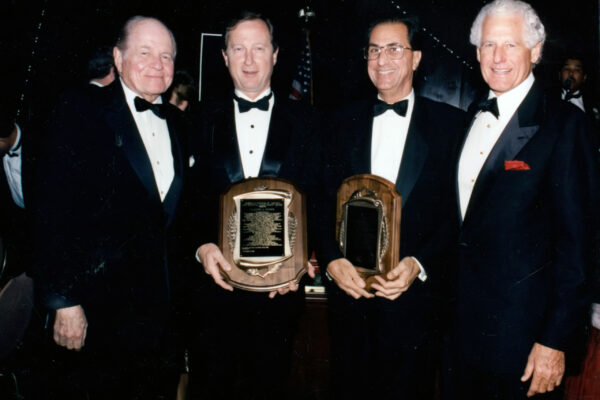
x: 109, y: 185
x: 526, y: 182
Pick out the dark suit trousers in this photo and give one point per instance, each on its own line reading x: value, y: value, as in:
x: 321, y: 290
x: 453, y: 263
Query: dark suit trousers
x: 369, y: 360
x: 241, y: 343
x: 103, y: 374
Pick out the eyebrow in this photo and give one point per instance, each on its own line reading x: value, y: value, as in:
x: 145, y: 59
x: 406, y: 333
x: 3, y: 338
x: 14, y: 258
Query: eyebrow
x: 388, y: 44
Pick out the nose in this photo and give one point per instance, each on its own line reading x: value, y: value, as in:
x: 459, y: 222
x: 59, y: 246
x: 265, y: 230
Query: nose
x: 157, y: 63
x: 248, y: 58
x: 499, y: 54
x: 383, y: 57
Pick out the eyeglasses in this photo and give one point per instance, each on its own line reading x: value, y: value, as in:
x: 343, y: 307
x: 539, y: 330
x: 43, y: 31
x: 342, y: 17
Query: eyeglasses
x: 394, y: 52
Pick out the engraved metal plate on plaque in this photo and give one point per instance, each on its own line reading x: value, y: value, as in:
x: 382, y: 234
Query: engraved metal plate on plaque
x: 265, y: 234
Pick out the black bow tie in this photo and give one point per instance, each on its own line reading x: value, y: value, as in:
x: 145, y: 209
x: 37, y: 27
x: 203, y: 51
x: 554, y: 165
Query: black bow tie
x: 245, y: 105
x: 490, y: 105
x: 143, y: 105
x: 570, y: 95
x: 399, y: 108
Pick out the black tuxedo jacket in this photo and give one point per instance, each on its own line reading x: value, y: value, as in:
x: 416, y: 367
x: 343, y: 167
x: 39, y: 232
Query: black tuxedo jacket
x: 102, y: 232
x: 524, y: 244
x: 425, y: 183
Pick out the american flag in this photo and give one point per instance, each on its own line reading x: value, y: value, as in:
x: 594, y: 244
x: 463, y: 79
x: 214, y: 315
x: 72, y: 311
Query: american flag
x: 302, y: 83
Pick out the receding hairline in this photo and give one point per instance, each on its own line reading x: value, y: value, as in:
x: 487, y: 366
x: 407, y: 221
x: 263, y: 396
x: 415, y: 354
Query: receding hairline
x: 133, y: 22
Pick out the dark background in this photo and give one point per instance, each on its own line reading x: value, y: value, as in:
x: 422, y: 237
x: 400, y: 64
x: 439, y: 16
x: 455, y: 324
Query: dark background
x: 54, y: 39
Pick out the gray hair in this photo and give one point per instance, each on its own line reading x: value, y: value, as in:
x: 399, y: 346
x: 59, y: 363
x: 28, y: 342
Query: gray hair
x: 130, y: 23
x: 533, y: 28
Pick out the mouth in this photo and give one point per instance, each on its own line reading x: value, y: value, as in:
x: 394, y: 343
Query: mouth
x: 386, y: 72
x: 501, y: 71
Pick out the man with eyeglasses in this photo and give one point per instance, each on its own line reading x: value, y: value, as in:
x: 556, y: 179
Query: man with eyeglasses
x: 385, y: 336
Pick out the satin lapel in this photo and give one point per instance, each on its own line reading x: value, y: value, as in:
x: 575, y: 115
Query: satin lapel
x: 176, y: 186
x: 127, y: 137
x: 227, y: 147
x: 519, y: 130
x: 276, y: 142
x: 361, y: 142
x: 413, y: 156
x: 471, y: 113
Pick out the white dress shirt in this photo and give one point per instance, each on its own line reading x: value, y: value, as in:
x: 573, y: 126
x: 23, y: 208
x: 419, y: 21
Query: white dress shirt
x: 252, y: 129
x: 12, y: 168
x: 155, y: 135
x: 388, y: 140
x: 387, y: 147
x: 578, y: 101
x: 482, y: 137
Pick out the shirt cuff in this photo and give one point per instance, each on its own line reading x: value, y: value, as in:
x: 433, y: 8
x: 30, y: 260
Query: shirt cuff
x: 596, y: 315
x: 197, y: 256
x: 15, y: 150
x: 423, y: 274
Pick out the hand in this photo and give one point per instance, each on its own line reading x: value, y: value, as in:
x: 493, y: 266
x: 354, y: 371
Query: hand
x: 292, y: 286
x: 547, y: 366
x: 6, y: 143
x: 398, y: 280
x: 70, y: 327
x: 346, y: 277
x: 212, y: 259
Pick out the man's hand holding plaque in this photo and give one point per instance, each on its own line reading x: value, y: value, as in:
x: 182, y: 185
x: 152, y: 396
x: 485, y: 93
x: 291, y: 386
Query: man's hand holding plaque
x: 397, y: 280
x: 347, y: 278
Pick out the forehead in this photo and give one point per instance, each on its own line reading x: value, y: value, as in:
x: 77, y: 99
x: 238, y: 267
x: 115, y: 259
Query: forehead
x: 150, y: 33
x: 254, y: 30
x: 573, y: 63
x: 389, y: 32
x: 503, y: 27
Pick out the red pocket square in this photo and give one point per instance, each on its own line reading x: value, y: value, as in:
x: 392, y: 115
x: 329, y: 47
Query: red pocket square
x: 516, y: 165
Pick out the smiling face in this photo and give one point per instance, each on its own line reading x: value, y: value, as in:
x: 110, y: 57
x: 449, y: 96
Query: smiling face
x: 504, y: 59
x: 250, y: 58
x: 392, y: 78
x: 146, y: 63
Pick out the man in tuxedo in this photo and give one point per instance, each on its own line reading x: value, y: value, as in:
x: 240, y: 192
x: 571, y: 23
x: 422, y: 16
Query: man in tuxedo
x: 108, y: 189
x: 243, y: 346
x: 527, y: 184
x: 100, y: 68
x: 382, y: 340
x: 573, y: 81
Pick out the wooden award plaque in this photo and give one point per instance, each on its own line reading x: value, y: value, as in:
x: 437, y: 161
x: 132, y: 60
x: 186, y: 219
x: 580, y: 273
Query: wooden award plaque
x: 262, y: 234
x: 368, y: 224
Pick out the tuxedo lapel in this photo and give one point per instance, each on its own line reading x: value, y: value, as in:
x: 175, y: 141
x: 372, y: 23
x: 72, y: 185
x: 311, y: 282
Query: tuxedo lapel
x: 127, y: 137
x: 172, y: 199
x: 520, y: 129
x: 227, y: 148
x: 360, y: 144
x: 413, y: 156
x: 276, y: 142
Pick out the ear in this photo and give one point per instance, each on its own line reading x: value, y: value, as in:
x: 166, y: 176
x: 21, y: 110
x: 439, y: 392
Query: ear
x: 478, y: 55
x: 416, y: 59
x: 225, y: 58
x: 275, y: 56
x: 118, y: 58
x: 536, y: 51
